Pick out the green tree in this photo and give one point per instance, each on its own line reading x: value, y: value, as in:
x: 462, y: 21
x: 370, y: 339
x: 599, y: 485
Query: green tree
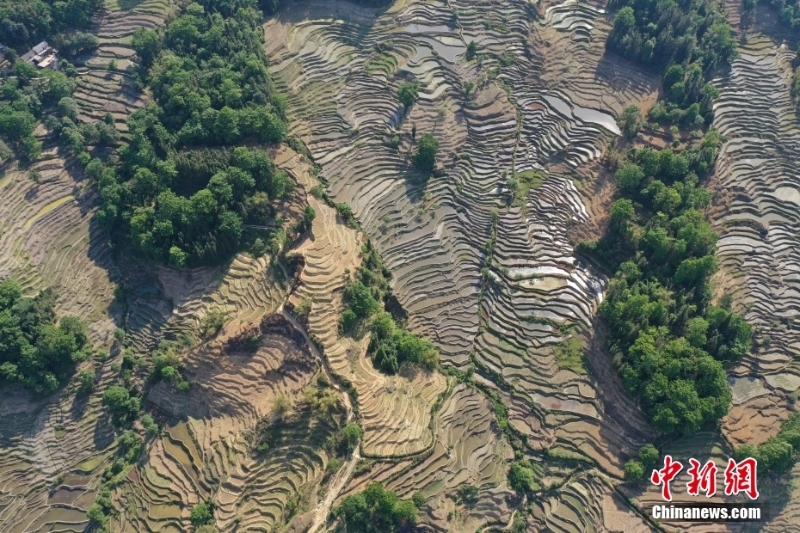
x: 351, y: 434
x: 68, y: 107
x: 631, y: 120
x: 122, y: 405
x: 35, y: 351
x: 622, y: 213
x: 202, y: 514
x: 407, y: 93
x: 634, y: 470
x: 375, y: 510
x: 425, y: 156
x: 472, y: 50
x: 649, y: 455
x: 359, y: 299
x: 521, y: 476
x: 629, y: 177
x: 147, y: 44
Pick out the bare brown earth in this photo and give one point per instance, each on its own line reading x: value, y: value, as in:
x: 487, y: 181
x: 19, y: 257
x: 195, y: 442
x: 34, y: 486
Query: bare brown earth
x: 544, y: 112
x: 54, y: 449
x: 756, y: 214
x: 545, y: 98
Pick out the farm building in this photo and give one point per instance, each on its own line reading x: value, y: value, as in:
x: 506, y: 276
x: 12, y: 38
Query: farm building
x: 42, y: 56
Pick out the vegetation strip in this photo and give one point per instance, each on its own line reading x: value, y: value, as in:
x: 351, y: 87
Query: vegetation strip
x: 181, y: 194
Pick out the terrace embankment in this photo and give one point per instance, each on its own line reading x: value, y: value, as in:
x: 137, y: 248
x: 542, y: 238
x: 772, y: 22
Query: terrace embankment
x: 395, y: 411
x: 207, y: 448
x: 544, y: 100
x: 54, y: 450
x: 757, y: 214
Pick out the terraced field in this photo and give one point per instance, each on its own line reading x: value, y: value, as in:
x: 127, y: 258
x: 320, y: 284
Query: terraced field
x: 543, y: 111
x: 206, y: 451
x: 759, y: 221
x: 395, y: 410
x: 491, y: 278
x: 757, y: 216
x: 55, y: 449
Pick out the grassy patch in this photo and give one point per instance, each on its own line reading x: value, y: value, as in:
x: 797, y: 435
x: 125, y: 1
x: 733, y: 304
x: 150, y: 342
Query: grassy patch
x: 569, y: 355
x: 382, y: 62
x: 522, y: 183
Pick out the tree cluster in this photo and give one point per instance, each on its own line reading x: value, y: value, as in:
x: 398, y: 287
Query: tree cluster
x: 687, y: 98
x: 123, y: 404
x: 694, y: 36
x: 635, y: 469
x: 36, y: 349
x: 390, y: 346
x: 376, y: 510
x: 24, y: 98
x: 778, y: 454
x: 26, y: 22
x: 203, y: 513
x: 668, y: 342
x: 365, y: 298
x: 662, y: 33
x: 788, y: 10
x: 176, y: 198
x: 521, y: 476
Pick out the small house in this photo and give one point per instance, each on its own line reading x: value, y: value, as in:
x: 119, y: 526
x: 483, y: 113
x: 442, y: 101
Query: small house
x: 42, y: 56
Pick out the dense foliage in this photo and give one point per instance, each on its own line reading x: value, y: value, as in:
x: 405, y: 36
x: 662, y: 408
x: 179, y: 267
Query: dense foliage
x: 202, y: 513
x: 635, y: 469
x: 425, y: 156
x: 390, y: 346
x: 24, y: 98
x: 778, y: 454
x: 178, y: 203
x: 685, y: 40
x: 37, y: 350
x: 365, y: 297
x: 666, y: 338
x: 665, y: 32
x: 521, y: 476
x: 26, y: 22
x: 376, y: 510
x: 123, y: 405
x: 788, y: 10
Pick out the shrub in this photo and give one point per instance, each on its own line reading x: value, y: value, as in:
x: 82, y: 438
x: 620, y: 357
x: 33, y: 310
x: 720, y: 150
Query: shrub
x: 407, y: 93
x: 634, y: 470
x: 149, y: 425
x: 521, y: 476
x: 86, y: 381
x: 425, y: 156
x: 213, y: 321
x: 202, y: 514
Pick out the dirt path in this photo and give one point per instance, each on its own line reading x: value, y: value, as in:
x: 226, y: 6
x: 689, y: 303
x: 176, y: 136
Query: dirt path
x: 342, y: 477
x: 336, y: 485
